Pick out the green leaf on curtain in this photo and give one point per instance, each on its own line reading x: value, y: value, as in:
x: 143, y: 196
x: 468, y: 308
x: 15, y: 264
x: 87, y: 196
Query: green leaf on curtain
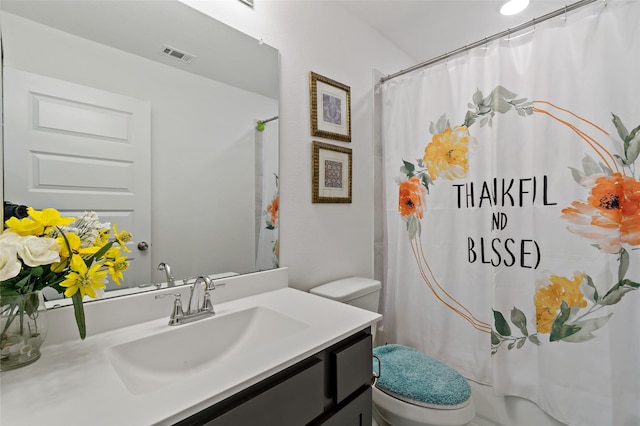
x: 622, y: 131
x: 624, y: 264
x: 519, y: 319
x: 577, y: 175
x: 501, y: 91
x: 586, y: 328
x: 499, y: 103
x: 413, y: 227
x: 534, y: 339
x: 441, y: 125
x: 588, y: 289
x: 408, y: 168
x: 560, y: 330
x: 607, y: 171
x: 511, y: 345
x: 621, y: 160
x: 520, y: 343
x: 502, y: 327
x: 615, y: 294
x: 477, y: 97
x: 589, y: 166
x: 469, y: 119
x: 495, y: 339
x: 633, y: 148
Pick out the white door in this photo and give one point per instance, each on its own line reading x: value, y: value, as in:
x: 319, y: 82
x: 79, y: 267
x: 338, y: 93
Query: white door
x: 76, y: 148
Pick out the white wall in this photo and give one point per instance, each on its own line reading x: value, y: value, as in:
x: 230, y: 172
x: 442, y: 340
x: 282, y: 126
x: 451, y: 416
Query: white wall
x: 202, y: 150
x: 319, y: 242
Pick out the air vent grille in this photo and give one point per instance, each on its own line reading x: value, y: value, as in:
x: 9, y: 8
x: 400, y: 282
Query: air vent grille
x: 178, y: 54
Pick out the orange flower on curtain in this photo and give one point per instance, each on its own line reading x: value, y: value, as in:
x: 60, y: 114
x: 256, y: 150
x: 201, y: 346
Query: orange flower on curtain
x: 611, y: 215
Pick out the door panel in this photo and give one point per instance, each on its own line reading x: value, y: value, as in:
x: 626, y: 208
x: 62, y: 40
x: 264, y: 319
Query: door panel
x: 78, y: 148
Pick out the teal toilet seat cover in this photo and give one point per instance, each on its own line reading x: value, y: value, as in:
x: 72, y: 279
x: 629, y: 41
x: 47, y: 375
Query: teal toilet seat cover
x: 413, y: 375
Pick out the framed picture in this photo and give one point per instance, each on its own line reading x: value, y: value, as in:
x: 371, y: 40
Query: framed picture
x: 331, y: 181
x: 330, y: 108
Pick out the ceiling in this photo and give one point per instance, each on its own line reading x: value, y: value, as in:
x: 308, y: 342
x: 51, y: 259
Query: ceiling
x: 144, y: 27
x: 425, y: 29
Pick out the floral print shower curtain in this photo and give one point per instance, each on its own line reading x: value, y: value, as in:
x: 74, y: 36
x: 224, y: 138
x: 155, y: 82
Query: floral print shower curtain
x: 512, y: 187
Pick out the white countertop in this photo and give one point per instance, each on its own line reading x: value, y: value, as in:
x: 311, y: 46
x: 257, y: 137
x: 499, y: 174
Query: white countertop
x: 73, y: 383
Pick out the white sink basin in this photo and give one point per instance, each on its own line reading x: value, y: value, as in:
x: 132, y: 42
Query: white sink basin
x: 152, y: 362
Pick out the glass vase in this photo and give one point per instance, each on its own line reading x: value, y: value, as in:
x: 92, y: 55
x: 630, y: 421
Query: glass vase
x: 23, y: 328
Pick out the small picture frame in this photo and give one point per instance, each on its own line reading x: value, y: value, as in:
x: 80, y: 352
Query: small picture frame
x: 330, y: 108
x: 332, y: 171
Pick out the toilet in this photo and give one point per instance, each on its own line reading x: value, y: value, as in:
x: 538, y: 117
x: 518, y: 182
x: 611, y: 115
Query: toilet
x: 412, y: 389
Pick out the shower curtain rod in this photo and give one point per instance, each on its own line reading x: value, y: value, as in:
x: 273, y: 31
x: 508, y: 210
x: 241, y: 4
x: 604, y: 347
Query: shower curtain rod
x: 270, y: 119
x: 484, y: 41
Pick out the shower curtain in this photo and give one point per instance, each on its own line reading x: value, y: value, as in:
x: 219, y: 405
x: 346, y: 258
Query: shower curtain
x: 268, y: 197
x: 512, y: 205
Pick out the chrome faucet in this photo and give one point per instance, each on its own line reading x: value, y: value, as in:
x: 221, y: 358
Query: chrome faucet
x: 207, y: 306
x: 178, y: 316
x: 171, y: 281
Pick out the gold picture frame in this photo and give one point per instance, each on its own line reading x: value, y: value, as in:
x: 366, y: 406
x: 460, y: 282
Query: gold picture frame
x: 332, y: 173
x: 330, y: 108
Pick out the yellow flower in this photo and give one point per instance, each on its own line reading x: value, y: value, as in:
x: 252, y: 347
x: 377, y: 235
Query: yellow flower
x: 73, y: 249
x: 549, y: 298
x: 447, y: 153
x: 38, y: 222
x: 83, y: 279
x: 116, y: 264
x: 122, y: 238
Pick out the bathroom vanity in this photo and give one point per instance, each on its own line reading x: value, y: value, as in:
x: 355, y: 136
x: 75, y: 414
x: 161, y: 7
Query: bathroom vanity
x: 271, y: 355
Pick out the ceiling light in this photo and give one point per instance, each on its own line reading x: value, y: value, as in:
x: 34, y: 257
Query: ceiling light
x: 514, y: 6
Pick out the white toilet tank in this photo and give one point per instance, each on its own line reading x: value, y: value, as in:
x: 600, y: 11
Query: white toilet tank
x: 357, y: 291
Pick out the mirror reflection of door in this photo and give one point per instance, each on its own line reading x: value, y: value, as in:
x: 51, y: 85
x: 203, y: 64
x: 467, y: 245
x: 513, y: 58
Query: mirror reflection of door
x: 83, y: 149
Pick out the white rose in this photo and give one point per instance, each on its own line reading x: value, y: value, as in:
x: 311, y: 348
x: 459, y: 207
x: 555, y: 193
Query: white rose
x: 9, y: 264
x: 36, y: 251
x: 9, y: 238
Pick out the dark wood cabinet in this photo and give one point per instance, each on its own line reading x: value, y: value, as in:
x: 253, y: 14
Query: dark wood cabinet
x: 331, y: 388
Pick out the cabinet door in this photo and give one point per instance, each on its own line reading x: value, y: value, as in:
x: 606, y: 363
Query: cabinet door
x: 353, y: 367
x: 355, y: 413
x: 293, y: 401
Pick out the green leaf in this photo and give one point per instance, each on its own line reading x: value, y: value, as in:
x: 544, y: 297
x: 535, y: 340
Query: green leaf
x: 506, y: 94
x: 495, y: 338
x: 477, y: 97
x: 407, y: 168
x: 588, y: 289
x: 534, y: 339
x: 559, y: 330
x: 589, y: 166
x: 624, y: 264
x: 499, y: 103
x: 622, y: 131
x: 519, y: 319
x: 413, y: 227
x: 511, y: 345
x: 78, y: 310
x: 518, y: 101
x: 586, y: 329
x: 520, y: 343
x: 469, y: 119
x: 577, y: 175
x: 633, y: 149
x: 615, y: 294
x: 441, y: 125
x: 501, y: 325
x: 607, y: 171
x: 621, y: 160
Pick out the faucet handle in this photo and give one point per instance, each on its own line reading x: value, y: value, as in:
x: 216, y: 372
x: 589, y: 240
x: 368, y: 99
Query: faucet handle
x: 176, y: 313
x: 207, y: 305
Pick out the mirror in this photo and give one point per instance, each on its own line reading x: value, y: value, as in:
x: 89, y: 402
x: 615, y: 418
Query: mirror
x: 212, y: 175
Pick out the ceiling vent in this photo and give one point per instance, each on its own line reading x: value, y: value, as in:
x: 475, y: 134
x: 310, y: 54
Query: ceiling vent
x: 178, y: 54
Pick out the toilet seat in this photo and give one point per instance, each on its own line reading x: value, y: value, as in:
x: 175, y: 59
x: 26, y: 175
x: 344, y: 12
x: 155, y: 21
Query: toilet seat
x: 416, y: 378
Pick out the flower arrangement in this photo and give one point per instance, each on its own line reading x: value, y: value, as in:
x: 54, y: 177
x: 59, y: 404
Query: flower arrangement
x: 72, y: 256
